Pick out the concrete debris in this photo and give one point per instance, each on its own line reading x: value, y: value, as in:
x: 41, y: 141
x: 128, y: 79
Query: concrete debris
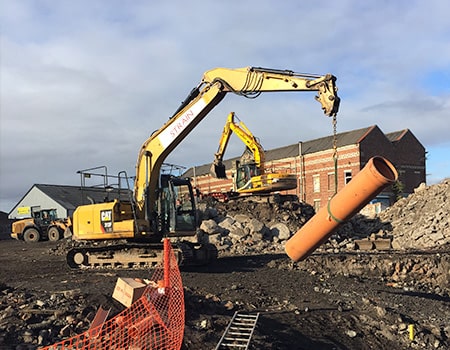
x: 41, y: 322
x: 417, y: 222
x: 251, y: 227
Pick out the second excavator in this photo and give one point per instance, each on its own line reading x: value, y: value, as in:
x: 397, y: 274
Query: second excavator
x: 250, y: 173
x: 152, y: 213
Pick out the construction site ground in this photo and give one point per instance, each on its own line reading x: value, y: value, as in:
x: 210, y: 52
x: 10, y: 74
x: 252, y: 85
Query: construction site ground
x: 328, y: 302
x: 340, y: 297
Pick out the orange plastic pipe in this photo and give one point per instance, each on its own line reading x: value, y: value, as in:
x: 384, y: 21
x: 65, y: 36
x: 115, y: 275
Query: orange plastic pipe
x: 369, y: 182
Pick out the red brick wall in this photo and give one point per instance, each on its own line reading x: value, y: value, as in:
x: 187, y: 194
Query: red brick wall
x: 322, y: 164
x: 407, y: 155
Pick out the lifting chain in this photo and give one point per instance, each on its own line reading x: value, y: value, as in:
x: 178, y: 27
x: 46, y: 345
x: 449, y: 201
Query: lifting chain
x: 335, y: 154
x: 335, y: 160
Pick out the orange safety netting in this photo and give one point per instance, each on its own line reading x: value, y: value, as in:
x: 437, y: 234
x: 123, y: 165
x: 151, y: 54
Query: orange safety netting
x: 154, y: 321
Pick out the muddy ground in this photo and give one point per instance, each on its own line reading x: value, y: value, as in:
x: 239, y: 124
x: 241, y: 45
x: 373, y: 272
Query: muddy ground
x: 355, y: 300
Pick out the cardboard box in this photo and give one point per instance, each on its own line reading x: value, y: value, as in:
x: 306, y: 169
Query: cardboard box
x: 128, y: 290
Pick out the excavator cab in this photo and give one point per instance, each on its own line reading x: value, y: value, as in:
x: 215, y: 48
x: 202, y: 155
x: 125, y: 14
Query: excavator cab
x: 244, y: 175
x: 177, y: 212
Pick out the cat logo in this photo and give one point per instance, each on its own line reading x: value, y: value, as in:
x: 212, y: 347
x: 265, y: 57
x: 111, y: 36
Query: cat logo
x: 106, y: 221
x: 106, y: 215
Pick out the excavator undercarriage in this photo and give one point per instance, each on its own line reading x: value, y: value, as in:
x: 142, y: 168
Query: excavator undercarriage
x: 128, y: 255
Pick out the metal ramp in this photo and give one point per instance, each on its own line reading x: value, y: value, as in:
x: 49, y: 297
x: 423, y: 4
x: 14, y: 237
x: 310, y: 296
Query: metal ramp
x: 239, y: 332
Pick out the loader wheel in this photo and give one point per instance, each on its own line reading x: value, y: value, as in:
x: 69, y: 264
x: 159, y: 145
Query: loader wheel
x: 53, y: 234
x: 31, y: 235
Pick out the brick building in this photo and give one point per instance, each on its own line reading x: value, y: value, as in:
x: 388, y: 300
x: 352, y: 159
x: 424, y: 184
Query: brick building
x: 313, y: 163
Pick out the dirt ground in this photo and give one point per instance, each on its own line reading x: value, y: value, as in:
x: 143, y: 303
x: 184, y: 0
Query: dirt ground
x: 343, y: 301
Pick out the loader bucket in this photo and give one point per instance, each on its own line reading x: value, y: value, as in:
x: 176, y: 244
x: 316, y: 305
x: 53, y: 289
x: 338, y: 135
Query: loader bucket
x: 218, y: 171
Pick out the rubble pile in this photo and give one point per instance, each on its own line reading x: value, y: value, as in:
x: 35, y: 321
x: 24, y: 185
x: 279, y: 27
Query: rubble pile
x: 419, y: 221
x: 251, y: 227
x: 38, y: 320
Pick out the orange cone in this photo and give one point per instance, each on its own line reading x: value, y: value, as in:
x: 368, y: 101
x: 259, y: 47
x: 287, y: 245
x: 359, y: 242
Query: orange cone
x: 365, y: 186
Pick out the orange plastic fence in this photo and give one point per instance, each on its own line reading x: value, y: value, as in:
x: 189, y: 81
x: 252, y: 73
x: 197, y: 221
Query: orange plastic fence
x: 155, y: 321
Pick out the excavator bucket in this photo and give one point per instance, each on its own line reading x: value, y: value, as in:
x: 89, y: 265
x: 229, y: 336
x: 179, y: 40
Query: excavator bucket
x: 218, y: 171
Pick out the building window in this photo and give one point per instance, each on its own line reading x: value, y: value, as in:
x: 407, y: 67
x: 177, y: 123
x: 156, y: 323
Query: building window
x: 331, y: 181
x: 316, y: 183
x: 347, y: 176
x: 316, y: 205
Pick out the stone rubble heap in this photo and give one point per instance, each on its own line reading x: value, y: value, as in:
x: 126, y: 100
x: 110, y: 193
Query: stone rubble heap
x: 238, y: 228
x: 419, y: 221
x: 41, y: 320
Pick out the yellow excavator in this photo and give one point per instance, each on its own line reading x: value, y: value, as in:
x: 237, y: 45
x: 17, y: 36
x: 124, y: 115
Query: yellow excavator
x: 251, y: 176
x: 163, y: 205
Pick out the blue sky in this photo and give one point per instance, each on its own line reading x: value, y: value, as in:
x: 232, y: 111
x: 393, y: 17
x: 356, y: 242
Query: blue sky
x: 84, y: 83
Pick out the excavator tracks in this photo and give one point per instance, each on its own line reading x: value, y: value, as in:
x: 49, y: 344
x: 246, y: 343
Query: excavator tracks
x: 137, y: 255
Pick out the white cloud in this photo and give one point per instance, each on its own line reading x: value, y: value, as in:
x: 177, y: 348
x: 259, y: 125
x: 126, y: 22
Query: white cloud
x: 85, y: 83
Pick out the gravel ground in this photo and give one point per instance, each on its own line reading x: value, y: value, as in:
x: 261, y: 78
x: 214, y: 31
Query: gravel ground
x: 345, y: 301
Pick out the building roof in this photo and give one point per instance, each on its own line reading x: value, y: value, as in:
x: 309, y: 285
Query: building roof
x: 75, y: 196
x: 306, y: 147
x: 396, y: 135
x: 71, y: 197
x: 318, y: 145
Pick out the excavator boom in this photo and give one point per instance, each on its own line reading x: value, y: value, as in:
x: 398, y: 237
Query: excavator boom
x: 251, y: 81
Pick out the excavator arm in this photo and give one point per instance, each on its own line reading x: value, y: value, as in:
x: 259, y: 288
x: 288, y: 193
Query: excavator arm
x: 251, y: 81
x: 246, y: 136
x: 216, y: 83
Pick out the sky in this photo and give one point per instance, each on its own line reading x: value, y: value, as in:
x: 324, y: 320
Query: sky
x: 84, y: 83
